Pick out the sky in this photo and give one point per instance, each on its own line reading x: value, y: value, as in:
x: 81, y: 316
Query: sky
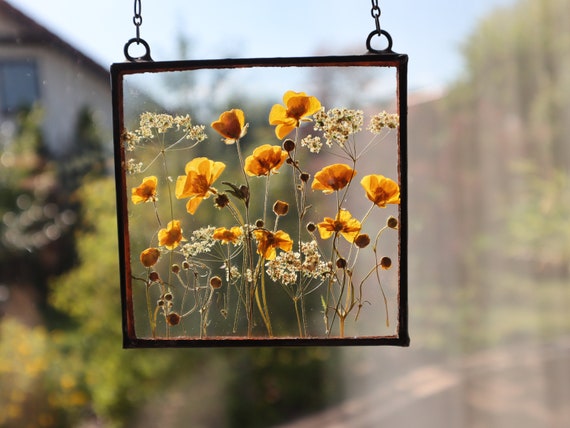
x: 430, y: 32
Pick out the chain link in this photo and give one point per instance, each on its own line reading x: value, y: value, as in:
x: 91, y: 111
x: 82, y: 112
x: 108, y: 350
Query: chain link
x: 378, y: 33
x: 137, y: 18
x: 376, y: 12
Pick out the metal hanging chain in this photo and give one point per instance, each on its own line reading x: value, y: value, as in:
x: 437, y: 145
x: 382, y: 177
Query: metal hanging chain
x: 376, y: 12
x: 137, y: 20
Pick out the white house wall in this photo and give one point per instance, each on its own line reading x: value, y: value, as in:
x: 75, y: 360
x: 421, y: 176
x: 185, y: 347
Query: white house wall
x: 66, y: 86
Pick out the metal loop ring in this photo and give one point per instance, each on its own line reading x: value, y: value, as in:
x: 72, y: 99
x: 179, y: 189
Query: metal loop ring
x: 379, y: 34
x: 138, y: 41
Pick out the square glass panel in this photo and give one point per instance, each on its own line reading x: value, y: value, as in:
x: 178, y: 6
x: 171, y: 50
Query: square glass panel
x: 262, y: 201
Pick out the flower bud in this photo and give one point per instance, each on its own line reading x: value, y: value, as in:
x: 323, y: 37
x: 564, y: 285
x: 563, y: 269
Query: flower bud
x: 362, y: 241
x: 392, y: 222
x: 341, y: 263
x: 311, y: 227
x: 244, y: 192
x: 175, y: 268
x: 221, y: 200
x: 154, y: 276
x: 259, y: 223
x: 215, y: 282
x: 304, y: 177
x: 149, y: 257
x: 386, y: 263
x: 288, y: 145
x: 280, y: 208
x: 173, y: 318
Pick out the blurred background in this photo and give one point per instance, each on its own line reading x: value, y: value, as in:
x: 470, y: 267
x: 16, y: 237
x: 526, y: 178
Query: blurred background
x: 489, y: 200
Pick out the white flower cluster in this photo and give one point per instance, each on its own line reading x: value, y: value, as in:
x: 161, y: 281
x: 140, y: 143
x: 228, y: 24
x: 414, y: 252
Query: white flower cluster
x: 314, y: 144
x: 133, y: 167
x: 313, y: 266
x: 201, y: 241
x: 338, y: 124
x: 130, y: 140
x: 383, y: 120
x: 161, y: 123
x: 286, y: 265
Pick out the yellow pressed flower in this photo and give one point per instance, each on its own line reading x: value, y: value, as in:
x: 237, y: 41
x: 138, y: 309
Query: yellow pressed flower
x: 197, y: 183
x: 171, y: 236
x: 345, y: 224
x: 381, y: 190
x: 227, y: 235
x: 268, y: 241
x: 149, y: 257
x: 264, y: 160
x: 146, y: 191
x: 333, y: 177
x: 298, y: 106
x: 231, y: 125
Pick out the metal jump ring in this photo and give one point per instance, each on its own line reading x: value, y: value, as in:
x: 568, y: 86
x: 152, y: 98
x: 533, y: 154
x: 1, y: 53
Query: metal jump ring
x: 145, y: 57
x: 380, y: 34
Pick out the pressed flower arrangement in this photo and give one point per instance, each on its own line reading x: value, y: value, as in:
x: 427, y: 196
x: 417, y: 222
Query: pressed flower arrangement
x: 238, y: 232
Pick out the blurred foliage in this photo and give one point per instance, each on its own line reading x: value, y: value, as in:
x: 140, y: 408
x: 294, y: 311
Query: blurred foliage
x: 116, y: 381
x: 272, y: 385
x: 498, y: 173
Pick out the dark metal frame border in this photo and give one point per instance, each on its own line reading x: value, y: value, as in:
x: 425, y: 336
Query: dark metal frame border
x: 386, y: 59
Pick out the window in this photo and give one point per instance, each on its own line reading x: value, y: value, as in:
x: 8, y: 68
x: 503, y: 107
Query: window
x: 18, y: 85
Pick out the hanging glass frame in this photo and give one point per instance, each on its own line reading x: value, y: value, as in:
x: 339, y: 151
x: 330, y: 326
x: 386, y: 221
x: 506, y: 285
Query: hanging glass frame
x: 262, y: 202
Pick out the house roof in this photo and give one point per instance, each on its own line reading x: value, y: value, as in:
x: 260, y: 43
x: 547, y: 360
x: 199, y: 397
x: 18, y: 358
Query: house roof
x: 30, y: 32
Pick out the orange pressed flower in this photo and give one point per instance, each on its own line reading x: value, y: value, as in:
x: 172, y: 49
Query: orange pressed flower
x: 268, y: 241
x: 345, y: 224
x: 197, y: 183
x: 298, y: 106
x: 227, y: 235
x: 381, y: 190
x: 264, y: 160
x: 146, y: 191
x: 333, y: 177
x: 171, y: 236
x: 149, y: 257
x: 231, y: 125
